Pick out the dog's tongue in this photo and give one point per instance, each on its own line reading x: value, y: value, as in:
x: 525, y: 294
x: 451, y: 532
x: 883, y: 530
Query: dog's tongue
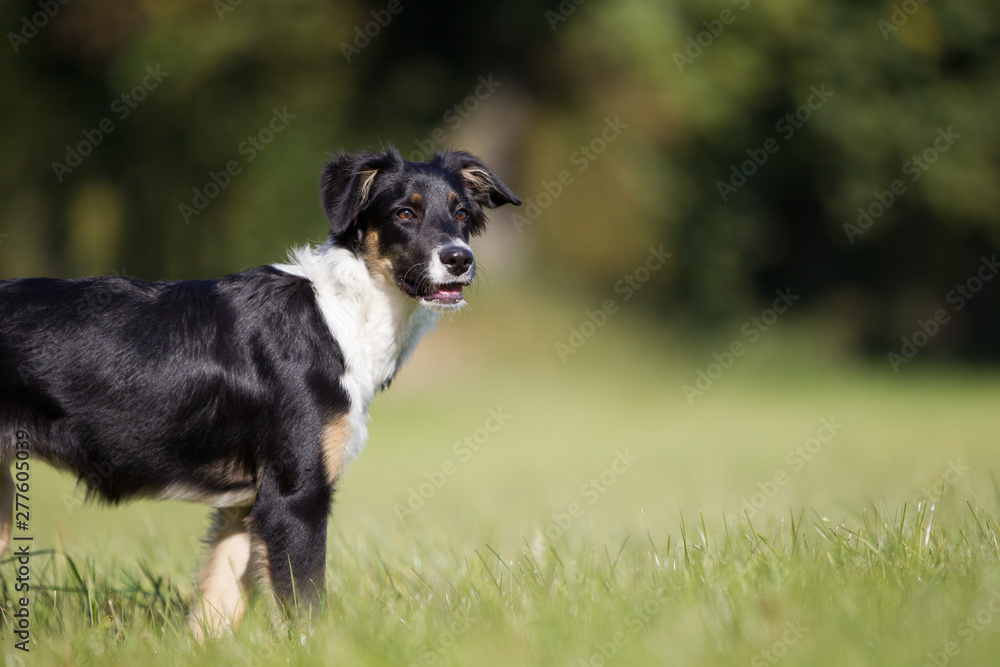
x: 450, y: 292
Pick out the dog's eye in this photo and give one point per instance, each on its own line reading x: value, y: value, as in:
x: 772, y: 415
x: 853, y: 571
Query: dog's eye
x: 461, y: 214
x: 405, y: 214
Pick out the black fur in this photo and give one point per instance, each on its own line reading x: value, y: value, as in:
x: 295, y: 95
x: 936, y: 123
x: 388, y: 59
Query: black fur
x: 220, y: 386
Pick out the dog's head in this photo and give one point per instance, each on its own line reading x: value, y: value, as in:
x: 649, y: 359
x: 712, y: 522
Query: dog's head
x: 411, y: 221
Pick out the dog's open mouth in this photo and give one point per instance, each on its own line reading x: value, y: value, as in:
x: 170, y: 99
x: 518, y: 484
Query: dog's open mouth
x: 448, y: 294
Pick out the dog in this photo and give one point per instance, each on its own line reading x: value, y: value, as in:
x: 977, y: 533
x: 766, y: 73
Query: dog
x: 249, y: 393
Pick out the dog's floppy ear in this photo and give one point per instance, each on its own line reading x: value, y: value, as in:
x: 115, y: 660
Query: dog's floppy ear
x: 346, y: 185
x: 484, y: 186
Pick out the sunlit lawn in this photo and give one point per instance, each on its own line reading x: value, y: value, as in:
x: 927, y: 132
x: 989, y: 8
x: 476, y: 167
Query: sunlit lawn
x: 605, y: 521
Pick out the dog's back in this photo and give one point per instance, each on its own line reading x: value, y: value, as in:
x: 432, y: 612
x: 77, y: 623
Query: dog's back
x: 135, y: 385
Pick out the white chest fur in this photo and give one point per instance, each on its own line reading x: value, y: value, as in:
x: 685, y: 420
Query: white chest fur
x: 373, y: 322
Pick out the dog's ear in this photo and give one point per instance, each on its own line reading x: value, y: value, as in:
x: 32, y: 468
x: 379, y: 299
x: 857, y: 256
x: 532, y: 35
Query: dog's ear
x: 484, y: 186
x: 346, y: 185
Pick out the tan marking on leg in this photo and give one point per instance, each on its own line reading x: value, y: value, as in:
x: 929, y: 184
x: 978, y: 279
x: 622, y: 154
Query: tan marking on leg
x: 6, y: 507
x: 226, y: 581
x: 335, y: 435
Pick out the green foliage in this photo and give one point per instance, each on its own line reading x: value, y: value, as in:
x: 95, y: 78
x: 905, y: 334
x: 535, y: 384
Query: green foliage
x: 878, y: 589
x: 701, y: 87
x: 871, y: 546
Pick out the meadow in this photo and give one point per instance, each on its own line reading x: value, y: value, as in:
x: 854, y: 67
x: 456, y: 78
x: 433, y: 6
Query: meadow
x: 515, y: 508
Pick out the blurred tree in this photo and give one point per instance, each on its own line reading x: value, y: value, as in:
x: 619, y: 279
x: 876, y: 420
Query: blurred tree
x: 708, y: 85
x: 757, y: 140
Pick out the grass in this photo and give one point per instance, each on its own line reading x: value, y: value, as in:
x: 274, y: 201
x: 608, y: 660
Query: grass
x: 881, y: 548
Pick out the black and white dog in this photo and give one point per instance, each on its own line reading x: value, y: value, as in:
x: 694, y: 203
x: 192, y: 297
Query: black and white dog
x: 249, y: 393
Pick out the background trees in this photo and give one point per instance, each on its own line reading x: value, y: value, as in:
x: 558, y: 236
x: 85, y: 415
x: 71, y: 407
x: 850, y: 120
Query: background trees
x: 845, y: 150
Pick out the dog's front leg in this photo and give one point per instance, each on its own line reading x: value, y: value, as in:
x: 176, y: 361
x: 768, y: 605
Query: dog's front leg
x: 289, y: 520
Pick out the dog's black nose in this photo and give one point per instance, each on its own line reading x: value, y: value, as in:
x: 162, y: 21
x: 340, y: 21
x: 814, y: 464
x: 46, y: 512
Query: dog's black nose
x: 457, y: 259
